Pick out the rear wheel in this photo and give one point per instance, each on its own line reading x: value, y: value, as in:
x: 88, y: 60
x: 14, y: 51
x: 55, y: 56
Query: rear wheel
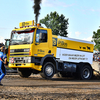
x: 48, y: 70
x: 86, y: 72
x: 24, y: 72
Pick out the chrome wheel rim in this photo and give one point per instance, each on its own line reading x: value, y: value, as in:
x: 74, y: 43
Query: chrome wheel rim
x: 86, y: 73
x: 49, y: 70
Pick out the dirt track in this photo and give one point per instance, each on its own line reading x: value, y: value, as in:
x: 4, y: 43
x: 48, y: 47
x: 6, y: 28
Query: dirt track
x: 37, y: 88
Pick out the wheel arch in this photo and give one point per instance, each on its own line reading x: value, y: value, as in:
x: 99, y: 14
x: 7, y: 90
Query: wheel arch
x: 49, y: 58
x: 82, y: 64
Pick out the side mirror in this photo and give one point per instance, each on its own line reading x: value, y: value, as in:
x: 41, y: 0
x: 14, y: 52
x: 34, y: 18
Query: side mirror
x: 37, y: 43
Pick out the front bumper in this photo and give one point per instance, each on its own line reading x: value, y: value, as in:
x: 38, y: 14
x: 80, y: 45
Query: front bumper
x: 25, y: 65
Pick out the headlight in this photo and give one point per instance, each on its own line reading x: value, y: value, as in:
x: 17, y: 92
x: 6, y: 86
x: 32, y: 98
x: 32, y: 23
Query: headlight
x: 27, y: 59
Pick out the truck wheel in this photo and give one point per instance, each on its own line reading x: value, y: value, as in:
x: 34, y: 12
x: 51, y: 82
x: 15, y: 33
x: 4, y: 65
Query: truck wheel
x: 24, y: 72
x: 86, y: 72
x: 48, y: 70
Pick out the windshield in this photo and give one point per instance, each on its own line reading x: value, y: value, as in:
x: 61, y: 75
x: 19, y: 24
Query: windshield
x: 22, y: 37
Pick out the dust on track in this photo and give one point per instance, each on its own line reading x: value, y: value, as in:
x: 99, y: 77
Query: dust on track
x: 36, y: 88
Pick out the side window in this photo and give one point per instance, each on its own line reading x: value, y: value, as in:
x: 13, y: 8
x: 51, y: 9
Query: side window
x: 37, y: 35
x: 41, y: 36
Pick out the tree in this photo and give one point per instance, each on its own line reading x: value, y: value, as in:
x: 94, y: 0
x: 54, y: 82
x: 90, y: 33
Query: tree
x: 96, y: 39
x: 57, y: 23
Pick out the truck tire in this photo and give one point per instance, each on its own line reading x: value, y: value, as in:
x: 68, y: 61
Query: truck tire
x: 86, y: 72
x: 24, y: 72
x: 48, y: 70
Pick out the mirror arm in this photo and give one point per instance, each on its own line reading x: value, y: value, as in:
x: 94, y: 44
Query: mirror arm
x: 37, y: 43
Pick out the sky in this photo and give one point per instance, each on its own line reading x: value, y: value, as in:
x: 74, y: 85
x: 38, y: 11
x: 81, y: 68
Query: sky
x: 83, y: 15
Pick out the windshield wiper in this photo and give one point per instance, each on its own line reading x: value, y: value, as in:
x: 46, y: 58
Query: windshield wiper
x: 15, y: 43
x: 23, y: 42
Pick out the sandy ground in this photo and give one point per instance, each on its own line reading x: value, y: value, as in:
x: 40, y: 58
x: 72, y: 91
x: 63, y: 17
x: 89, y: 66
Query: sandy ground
x: 36, y: 88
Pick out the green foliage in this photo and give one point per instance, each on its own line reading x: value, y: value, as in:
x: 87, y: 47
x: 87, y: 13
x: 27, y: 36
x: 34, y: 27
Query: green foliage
x: 57, y: 23
x: 96, y: 39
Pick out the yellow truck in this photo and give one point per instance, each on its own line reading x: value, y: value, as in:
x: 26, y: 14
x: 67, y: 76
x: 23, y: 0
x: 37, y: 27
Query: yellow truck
x: 33, y: 49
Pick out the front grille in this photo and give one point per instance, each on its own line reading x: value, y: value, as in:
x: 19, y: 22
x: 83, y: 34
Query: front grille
x: 19, y: 54
x: 18, y: 50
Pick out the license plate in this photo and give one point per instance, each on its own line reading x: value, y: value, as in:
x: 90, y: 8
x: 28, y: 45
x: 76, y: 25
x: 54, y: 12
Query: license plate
x: 20, y: 61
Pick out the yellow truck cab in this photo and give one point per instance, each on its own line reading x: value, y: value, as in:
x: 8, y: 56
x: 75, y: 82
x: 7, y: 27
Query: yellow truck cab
x: 33, y: 49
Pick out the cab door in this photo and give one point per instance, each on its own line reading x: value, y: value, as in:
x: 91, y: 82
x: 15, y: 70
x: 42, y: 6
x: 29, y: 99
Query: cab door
x: 41, y: 43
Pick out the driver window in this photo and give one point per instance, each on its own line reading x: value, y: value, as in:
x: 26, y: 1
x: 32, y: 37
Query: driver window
x: 41, y: 36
